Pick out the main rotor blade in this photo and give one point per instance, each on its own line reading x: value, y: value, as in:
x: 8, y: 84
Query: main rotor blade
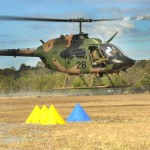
x: 17, y: 18
x: 125, y: 18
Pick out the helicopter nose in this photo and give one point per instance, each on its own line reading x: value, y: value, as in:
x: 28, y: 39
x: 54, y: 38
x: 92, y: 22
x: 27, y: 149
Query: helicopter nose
x: 122, y: 63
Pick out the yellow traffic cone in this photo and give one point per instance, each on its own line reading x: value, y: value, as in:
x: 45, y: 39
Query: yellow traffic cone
x: 43, y: 115
x: 34, y: 115
x: 53, y: 117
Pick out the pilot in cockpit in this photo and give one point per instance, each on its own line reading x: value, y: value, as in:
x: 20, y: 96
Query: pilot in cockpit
x: 97, y: 57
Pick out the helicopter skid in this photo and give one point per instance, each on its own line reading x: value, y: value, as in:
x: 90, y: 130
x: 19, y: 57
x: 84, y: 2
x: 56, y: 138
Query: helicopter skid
x: 93, y: 87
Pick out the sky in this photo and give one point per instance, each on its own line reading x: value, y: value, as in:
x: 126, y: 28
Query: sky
x: 133, y: 36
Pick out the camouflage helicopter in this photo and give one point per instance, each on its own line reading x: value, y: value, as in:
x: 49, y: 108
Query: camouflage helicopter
x: 77, y: 54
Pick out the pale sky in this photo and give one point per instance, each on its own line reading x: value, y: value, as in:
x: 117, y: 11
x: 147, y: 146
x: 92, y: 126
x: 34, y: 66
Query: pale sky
x: 133, y: 37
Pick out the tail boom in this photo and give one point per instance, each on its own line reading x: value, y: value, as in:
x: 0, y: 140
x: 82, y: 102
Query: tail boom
x: 18, y: 52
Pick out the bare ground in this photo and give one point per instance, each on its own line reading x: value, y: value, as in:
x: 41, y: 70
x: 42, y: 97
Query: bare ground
x: 120, y: 122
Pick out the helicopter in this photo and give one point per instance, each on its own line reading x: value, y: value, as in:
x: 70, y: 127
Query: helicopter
x: 77, y: 54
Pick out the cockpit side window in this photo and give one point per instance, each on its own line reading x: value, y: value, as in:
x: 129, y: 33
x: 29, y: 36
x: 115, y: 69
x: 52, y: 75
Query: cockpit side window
x: 97, y: 57
x: 94, y: 50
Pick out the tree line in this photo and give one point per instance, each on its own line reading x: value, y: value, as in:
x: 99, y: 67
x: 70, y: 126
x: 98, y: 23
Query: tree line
x: 38, y: 78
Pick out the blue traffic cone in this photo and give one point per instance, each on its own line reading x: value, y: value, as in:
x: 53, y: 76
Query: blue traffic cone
x: 78, y: 115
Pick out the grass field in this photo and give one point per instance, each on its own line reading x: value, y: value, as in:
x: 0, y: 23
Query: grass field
x: 119, y: 122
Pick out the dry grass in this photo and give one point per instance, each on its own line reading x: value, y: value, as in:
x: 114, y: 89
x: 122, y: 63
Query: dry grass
x: 119, y: 122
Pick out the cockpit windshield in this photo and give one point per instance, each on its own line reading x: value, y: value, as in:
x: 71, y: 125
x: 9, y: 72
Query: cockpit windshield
x: 111, y: 50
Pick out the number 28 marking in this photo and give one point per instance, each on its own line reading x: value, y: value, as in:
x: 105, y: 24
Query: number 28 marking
x: 81, y: 65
